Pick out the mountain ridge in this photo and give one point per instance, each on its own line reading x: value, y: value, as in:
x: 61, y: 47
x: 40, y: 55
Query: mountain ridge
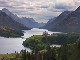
x: 70, y: 23
x: 6, y: 20
x: 28, y: 22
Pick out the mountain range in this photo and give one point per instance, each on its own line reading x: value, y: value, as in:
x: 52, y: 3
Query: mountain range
x: 7, y: 21
x: 11, y: 25
x: 28, y: 22
x: 67, y: 21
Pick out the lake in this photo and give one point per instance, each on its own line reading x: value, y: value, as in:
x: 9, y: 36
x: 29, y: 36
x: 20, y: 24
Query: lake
x: 10, y: 45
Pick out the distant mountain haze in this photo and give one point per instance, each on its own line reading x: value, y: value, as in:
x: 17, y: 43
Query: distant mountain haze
x: 46, y: 26
x: 66, y: 22
x: 28, y: 22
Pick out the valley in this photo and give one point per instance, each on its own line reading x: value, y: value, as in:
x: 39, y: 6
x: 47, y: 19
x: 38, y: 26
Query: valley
x: 30, y: 30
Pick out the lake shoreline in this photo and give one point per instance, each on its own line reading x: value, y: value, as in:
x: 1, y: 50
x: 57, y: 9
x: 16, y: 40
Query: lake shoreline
x: 10, y: 45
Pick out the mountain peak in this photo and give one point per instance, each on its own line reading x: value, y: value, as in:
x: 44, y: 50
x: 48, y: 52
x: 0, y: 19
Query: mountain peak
x: 78, y: 9
x: 4, y: 9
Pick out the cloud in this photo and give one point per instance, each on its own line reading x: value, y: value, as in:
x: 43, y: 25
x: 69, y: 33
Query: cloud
x: 66, y: 4
x: 40, y: 10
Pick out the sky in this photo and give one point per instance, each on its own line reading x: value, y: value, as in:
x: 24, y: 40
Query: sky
x: 40, y: 10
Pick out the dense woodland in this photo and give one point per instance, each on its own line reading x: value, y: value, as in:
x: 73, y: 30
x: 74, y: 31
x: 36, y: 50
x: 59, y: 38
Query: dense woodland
x: 69, y: 50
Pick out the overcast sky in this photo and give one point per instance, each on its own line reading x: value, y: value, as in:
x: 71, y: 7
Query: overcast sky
x: 40, y: 10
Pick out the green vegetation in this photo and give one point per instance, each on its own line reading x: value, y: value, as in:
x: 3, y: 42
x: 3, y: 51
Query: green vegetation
x: 40, y: 42
x: 8, y: 32
x: 65, y: 52
x: 7, y: 56
x: 36, y: 42
x: 41, y: 50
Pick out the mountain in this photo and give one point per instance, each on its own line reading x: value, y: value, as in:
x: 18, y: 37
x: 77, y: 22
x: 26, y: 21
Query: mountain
x: 7, y: 21
x: 28, y: 22
x: 10, y: 14
x: 52, y: 22
x: 48, y: 23
x: 71, y: 23
x: 31, y: 23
